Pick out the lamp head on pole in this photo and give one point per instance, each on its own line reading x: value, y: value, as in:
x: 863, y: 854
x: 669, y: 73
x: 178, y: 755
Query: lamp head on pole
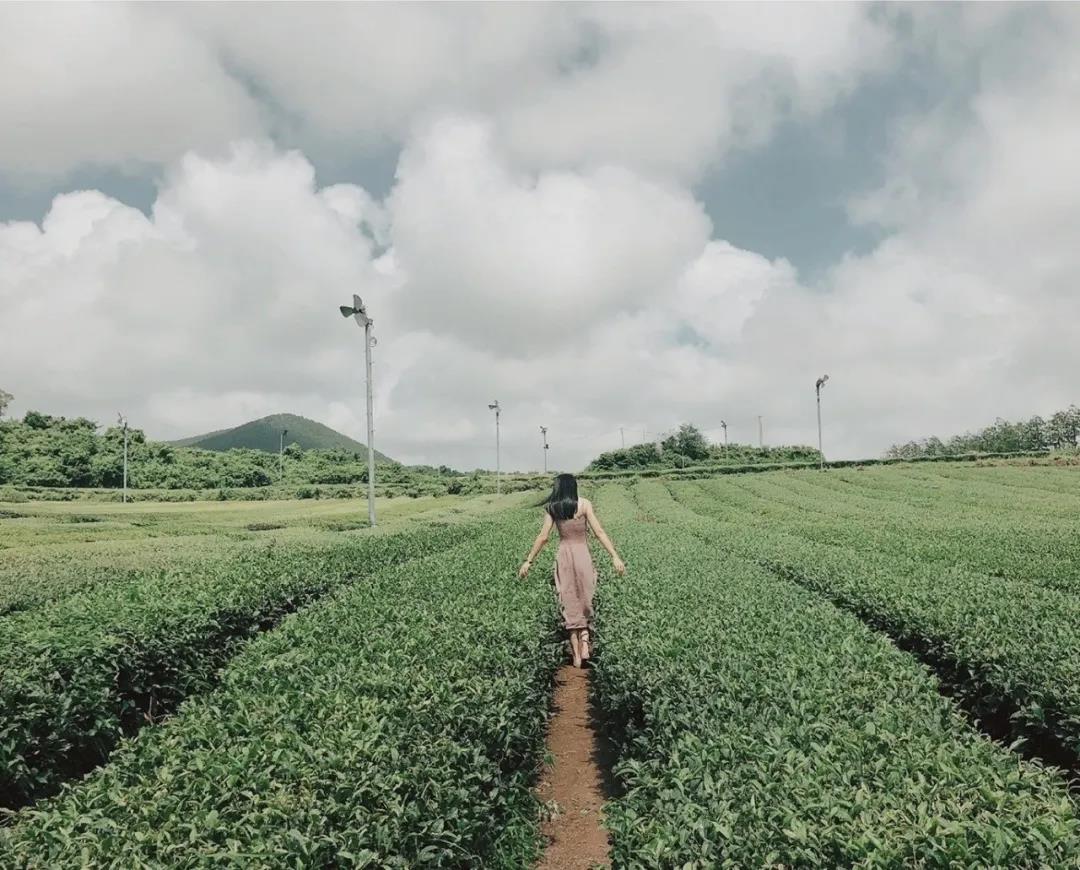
x: 821, y: 382
x: 494, y: 406
x: 356, y: 310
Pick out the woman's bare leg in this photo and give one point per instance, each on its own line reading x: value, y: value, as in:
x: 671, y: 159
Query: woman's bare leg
x: 584, y: 645
x: 575, y: 647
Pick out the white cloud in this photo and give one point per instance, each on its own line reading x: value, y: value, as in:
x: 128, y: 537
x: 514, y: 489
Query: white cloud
x: 367, y: 72
x: 720, y: 290
x: 541, y: 245
x: 110, y: 84
x: 521, y: 263
x: 572, y: 289
x: 225, y: 288
x: 671, y: 92
x: 965, y: 312
x: 662, y: 89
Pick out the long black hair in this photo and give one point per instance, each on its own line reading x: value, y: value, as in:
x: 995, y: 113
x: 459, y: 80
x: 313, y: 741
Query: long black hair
x: 562, y: 504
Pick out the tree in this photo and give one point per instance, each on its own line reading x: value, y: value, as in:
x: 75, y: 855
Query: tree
x: 1064, y: 428
x: 5, y: 399
x: 1034, y: 434
x: 690, y: 442
x: 934, y: 447
x: 37, y: 420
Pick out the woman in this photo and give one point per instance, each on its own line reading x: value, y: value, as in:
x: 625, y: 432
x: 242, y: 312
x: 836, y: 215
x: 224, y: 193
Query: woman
x: 575, y: 576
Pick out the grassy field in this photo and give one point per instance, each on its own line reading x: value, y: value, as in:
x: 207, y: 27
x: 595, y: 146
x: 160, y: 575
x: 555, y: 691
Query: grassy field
x: 37, y: 524
x: 50, y: 549
x: 871, y: 667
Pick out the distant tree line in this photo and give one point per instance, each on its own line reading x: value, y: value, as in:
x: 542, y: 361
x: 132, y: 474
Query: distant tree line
x: 688, y: 447
x: 42, y: 450
x: 1062, y: 430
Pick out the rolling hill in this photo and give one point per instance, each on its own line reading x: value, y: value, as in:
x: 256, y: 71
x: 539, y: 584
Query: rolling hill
x: 265, y: 434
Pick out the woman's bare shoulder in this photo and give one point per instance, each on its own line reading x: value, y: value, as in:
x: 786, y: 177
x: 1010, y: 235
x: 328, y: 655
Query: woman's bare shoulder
x: 585, y: 504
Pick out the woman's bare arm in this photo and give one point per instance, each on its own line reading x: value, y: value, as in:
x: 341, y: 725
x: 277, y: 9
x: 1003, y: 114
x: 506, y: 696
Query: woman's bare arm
x: 538, y: 545
x: 602, y: 537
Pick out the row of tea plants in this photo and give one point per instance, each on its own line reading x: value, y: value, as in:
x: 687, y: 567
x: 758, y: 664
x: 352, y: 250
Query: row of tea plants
x: 762, y: 726
x: 398, y: 722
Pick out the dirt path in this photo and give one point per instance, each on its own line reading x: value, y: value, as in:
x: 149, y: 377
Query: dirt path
x: 576, y: 839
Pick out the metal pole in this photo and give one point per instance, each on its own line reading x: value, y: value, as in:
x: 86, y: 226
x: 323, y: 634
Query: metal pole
x: 359, y: 312
x: 125, y: 459
x: 622, y: 435
x: 543, y: 437
x: 817, y: 388
x: 760, y: 433
x: 494, y: 406
x: 368, y: 341
x: 821, y: 455
x: 723, y: 425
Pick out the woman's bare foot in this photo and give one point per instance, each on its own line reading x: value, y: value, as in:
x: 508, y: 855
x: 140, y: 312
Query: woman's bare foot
x: 575, y: 646
x: 583, y: 643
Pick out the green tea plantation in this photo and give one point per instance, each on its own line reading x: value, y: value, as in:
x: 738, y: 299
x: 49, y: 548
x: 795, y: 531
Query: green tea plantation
x: 873, y: 668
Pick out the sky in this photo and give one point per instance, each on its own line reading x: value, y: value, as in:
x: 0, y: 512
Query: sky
x: 610, y: 218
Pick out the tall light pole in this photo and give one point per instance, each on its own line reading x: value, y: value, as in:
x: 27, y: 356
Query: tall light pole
x: 622, y: 437
x: 494, y: 406
x: 281, y: 455
x: 817, y: 388
x: 122, y: 420
x: 543, y: 436
x: 723, y: 426
x: 760, y: 432
x: 358, y: 311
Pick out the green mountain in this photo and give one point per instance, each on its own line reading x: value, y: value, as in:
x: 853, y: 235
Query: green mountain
x: 265, y: 434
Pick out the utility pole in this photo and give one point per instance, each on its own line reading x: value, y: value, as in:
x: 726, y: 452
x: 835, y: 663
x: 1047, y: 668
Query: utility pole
x: 124, y: 425
x: 359, y: 312
x: 622, y: 437
x: 723, y: 426
x: 281, y: 455
x: 494, y: 406
x: 760, y: 432
x: 543, y: 436
x: 817, y: 388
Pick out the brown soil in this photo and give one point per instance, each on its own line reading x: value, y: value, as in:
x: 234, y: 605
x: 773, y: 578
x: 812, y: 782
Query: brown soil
x: 576, y: 839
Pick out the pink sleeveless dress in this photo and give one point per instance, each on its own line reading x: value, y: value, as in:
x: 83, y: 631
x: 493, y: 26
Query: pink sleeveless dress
x: 575, y: 576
